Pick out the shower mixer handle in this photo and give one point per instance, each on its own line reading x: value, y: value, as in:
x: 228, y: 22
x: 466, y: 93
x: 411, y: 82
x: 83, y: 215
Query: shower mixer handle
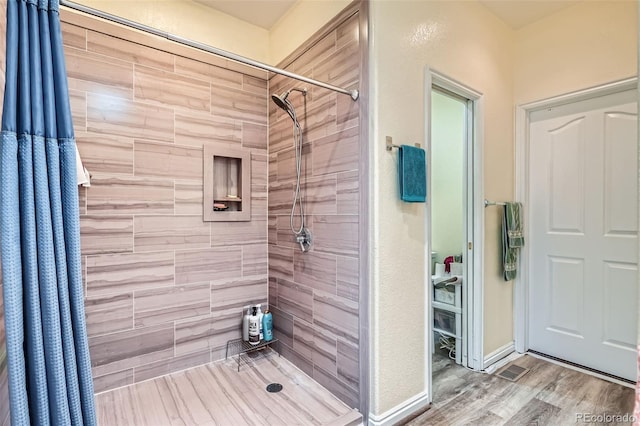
x: 304, y: 238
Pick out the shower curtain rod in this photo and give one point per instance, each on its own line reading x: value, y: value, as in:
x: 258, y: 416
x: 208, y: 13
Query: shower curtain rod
x: 354, y: 94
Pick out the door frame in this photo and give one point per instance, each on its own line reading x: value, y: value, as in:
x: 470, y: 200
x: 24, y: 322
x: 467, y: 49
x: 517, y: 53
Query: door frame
x: 522, y: 127
x: 473, y: 329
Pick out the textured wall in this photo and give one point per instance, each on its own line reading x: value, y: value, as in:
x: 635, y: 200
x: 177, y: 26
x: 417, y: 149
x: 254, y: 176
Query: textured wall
x: 588, y: 44
x: 314, y: 296
x: 464, y: 41
x: 299, y: 23
x: 164, y: 290
x: 192, y: 20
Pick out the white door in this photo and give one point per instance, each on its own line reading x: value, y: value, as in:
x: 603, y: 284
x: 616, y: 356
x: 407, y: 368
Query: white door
x: 583, y: 186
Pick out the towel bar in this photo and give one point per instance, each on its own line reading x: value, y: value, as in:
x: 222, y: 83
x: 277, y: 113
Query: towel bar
x: 488, y: 203
x: 390, y: 144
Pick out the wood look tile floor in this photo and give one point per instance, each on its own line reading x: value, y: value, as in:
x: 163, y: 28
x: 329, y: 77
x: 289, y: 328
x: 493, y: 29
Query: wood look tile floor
x: 547, y: 395
x: 217, y: 394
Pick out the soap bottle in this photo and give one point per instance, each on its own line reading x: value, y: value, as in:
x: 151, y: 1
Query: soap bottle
x: 267, y: 326
x: 245, y: 324
x: 260, y: 320
x: 254, y: 328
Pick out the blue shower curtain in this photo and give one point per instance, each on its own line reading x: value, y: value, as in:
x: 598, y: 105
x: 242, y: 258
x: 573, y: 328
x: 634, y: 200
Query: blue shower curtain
x: 47, y: 348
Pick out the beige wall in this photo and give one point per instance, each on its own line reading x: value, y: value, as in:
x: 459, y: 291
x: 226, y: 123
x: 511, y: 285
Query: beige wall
x: 464, y: 41
x: 193, y: 21
x: 197, y: 22
x: 585, y: 45
x: 300, y: 23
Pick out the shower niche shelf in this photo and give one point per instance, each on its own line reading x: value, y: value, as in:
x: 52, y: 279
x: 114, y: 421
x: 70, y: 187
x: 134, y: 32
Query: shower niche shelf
x: 227, y: 185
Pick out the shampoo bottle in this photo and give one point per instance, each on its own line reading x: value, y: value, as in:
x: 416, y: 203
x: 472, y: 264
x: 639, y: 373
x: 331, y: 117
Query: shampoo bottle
x: 245, y: 325
x: 254, y: 328
x: 260, y: 320
x: 267, y: 326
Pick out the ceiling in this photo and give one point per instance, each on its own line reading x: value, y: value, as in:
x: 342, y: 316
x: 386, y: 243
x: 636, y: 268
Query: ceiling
x: 265, y: 13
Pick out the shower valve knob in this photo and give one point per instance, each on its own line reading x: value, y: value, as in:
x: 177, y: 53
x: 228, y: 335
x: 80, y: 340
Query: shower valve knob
x: 304, y: 238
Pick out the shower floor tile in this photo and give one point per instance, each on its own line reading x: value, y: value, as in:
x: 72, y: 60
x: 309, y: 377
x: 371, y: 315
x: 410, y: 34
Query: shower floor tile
x: 217, y: 394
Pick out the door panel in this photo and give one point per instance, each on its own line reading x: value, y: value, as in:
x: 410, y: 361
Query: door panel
x: 620, y: 174
x: 566, y: 278
x: 567, y: 178
x: 619, y: 309
x: 583, y: 235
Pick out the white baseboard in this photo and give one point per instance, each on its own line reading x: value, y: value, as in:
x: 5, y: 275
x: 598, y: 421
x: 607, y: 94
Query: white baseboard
x: 504, y: 361
x: 400, y: 411
x: 498, y: 354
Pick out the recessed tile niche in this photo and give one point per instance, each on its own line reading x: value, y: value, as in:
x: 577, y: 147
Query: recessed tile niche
x: 227, y: 183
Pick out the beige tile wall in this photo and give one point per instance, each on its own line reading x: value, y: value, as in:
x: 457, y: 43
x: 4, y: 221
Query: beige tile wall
x: 164, y: 290
x: 314, y: 296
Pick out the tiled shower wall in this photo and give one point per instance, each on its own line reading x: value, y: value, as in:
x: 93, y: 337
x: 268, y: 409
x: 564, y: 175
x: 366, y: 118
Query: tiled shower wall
x: 314, y: 296
x: 164, y: 290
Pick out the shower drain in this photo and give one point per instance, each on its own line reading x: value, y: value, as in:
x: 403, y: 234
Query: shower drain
x: 274, y: 387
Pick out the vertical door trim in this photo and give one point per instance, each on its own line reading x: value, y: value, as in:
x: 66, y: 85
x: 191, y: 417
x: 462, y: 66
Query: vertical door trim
x: 428, y: 294
x: 522, y: 118
x: 474, y: 217
x: 364, y: 211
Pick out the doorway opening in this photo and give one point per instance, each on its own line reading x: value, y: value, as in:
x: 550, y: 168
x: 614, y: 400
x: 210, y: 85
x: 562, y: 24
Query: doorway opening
x: 448, y: 239
x: 455, y: 224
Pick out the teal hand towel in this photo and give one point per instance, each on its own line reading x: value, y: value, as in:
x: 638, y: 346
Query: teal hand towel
x: 412, y: 174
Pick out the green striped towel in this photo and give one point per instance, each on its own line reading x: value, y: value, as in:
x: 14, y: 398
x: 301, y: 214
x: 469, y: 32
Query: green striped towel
x: 512, y: 239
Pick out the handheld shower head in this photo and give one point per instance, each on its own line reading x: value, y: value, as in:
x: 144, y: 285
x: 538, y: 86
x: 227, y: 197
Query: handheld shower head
x: 281, y: 100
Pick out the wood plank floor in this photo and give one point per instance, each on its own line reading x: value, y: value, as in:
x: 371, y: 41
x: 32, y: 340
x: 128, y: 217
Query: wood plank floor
x: 216, y: 394
x: 547, y: 395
